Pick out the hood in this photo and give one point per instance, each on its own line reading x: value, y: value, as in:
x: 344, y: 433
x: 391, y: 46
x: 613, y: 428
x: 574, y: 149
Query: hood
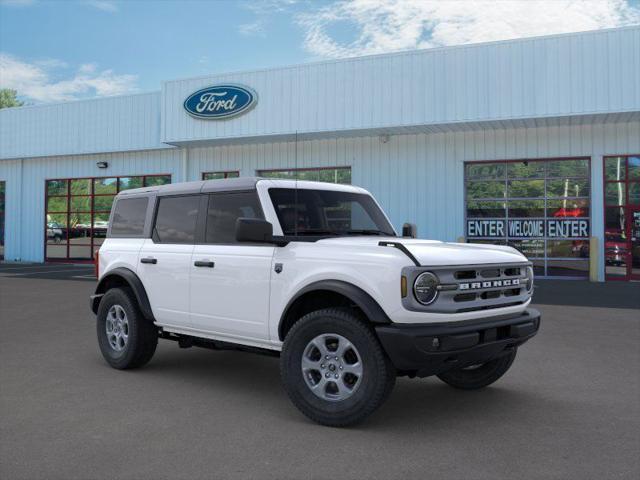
x: 435, y: 253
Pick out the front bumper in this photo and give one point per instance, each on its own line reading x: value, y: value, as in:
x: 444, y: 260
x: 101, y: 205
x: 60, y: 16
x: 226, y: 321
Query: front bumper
x: 425, y: 350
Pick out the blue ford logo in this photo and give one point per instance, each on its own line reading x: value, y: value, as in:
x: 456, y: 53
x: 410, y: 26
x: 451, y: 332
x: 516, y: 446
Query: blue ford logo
x: 220, y: 101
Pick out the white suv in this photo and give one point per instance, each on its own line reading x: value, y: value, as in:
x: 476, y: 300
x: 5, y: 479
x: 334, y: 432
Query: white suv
x: 313, y: 272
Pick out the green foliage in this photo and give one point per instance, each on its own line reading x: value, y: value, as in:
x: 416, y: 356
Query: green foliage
x: 8, y: 98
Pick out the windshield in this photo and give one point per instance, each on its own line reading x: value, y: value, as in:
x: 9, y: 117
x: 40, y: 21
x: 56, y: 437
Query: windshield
x: 321, y: 213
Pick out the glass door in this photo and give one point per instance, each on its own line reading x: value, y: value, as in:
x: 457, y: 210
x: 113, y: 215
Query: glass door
x: 622, y: 217
x: 634, y: 242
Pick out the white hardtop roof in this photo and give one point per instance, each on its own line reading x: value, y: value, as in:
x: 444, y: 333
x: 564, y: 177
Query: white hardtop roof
x: 238, y: 184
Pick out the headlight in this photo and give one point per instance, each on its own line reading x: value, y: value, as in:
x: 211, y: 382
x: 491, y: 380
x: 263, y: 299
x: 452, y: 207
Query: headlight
x: 529, y: 279
x: 425, y: 288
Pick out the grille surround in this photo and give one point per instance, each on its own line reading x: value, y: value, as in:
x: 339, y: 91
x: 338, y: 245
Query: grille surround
x: 468, y: 288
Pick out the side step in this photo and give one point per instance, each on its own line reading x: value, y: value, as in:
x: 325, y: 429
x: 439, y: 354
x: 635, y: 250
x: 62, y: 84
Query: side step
x: 187, y: 341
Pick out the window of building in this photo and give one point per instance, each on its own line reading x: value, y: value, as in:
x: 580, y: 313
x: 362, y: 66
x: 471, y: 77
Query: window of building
x: 223, y: 212
x: 129, y: 216
x: 622, y: 217
x: 176, y: 219
x: 2, y: 210
x: 329, y: 174
x: 219, y: 175
x: 77, y: 212
x: 540, y: 207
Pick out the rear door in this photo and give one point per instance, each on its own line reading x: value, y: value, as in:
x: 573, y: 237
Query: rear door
x: 165, y: 259
x: 230, y: 280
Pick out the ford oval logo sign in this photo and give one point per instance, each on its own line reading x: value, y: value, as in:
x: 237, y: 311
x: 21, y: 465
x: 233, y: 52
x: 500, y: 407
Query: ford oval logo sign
x: 219, y: 102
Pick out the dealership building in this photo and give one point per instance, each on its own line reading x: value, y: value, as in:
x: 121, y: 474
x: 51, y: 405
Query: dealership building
x: 532, y: 142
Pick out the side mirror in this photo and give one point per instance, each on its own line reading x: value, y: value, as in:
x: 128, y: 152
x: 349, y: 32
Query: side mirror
x: 409, y: 230
x: 254, y: 230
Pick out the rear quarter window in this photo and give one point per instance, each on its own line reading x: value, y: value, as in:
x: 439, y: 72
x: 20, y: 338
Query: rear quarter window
x: 128, y: 217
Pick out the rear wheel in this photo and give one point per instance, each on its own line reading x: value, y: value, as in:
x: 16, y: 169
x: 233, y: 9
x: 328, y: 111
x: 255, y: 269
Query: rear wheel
x: 479, y: 376
x: 334, y: 369
x: 126, y: 338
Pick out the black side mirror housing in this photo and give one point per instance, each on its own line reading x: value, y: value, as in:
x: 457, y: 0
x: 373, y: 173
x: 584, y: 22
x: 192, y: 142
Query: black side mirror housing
x: 409, y: 230
x: 254, y: 230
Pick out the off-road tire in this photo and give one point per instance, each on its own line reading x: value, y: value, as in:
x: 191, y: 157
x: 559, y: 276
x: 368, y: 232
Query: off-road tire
x: 378, y: 377
x: 480, y: 377
x: 142, y: 333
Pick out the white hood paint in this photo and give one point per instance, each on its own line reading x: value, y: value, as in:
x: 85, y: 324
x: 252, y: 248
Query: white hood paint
x: 435, y: 253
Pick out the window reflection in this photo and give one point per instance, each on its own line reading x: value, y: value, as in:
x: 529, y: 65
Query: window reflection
x: 77, y: 212
x: 220, y: 175
x: 633, y: 168
x: 127, y: 183
x: 157, y: 180
x: 526, y: 169
x: 332, y: 175
x: 103, y: 186
x: 615, y: 168
x: 489, y: 189
x: 526, y: 208
x: 544, y: 200
x: 634, y: 193
x: 568, y: 188
x: 614, y: 193
x: 568, y: 168
x: 486, y: 209
x: 526, y: 188
x: 572, y: 207
x: 485, y: 171
x: 529, y: 248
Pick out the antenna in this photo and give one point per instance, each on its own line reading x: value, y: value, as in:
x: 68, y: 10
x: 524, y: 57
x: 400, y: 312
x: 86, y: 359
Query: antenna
x: 295, y: 196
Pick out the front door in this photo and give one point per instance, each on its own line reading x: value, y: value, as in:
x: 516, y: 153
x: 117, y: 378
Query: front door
x: 230, y: 280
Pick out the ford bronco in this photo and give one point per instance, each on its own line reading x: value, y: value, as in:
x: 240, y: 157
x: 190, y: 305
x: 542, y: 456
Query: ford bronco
x: 312, y: 272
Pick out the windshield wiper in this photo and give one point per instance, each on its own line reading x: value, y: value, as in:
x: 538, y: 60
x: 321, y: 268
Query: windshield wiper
x: 369, y: 232
x: 313, y: 232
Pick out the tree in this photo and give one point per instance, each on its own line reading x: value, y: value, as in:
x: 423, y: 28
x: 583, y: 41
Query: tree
x: 8, y: 98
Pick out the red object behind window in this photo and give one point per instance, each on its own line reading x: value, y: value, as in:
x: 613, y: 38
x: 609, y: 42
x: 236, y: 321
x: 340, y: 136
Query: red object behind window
x: 96, y: 263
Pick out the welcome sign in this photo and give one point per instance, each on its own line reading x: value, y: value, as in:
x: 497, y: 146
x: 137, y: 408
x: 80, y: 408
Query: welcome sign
x: 528, y: 228
x: 219, y: 102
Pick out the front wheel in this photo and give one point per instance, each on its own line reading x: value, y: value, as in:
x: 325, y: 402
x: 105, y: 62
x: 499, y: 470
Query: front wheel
x: 479, y: 376
x: 334, y: 369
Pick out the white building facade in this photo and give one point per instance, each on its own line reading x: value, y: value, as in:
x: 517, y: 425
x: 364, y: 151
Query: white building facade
x: 531, y: 142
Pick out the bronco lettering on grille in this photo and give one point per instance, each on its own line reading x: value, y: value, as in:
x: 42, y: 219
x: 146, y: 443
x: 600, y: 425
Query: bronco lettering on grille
x: 489, y: 284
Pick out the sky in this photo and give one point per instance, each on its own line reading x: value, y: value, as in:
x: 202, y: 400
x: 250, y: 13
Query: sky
x: 59, y: 50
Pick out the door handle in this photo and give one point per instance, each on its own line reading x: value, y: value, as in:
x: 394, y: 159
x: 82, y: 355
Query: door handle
x: 204, y: 263
x: 149, y: 260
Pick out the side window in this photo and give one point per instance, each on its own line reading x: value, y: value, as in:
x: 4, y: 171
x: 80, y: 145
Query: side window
x: 176, y: 219
x: 128, y: 217
x: 224, y: 210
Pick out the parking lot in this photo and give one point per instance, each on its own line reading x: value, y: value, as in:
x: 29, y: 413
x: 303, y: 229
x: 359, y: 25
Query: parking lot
x: 569, y: 407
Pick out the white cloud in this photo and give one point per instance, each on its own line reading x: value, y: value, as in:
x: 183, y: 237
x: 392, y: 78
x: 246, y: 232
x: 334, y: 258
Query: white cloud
x: 389, y: 25
x: 264, y: 7
x: 252, y: 29
x: 36, y: 81
x: 104, y: 5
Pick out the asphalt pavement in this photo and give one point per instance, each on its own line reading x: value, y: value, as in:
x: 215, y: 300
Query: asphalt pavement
x: 568, y: 409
